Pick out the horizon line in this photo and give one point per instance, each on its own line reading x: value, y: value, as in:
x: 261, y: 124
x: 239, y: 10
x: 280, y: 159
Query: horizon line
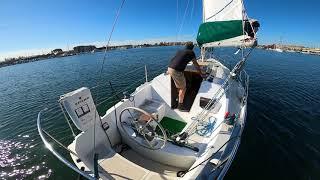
x: 37, y: 51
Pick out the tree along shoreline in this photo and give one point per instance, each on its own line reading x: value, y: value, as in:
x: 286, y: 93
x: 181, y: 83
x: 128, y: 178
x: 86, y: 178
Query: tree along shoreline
x: 56, y: 53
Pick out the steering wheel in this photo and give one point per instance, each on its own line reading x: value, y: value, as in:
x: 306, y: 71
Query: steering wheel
x: 143, y: 124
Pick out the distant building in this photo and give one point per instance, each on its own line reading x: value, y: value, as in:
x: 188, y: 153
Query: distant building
x: 56, y: 51
x: 81, y: 49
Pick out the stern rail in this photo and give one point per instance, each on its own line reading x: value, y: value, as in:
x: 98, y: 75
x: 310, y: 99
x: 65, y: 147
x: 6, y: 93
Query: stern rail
x: 54, y: 152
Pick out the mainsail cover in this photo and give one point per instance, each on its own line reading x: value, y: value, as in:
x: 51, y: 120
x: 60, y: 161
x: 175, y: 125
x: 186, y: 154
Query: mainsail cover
x: 222, y: 23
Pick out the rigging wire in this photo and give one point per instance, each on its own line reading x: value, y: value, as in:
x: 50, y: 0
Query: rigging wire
x: 220, y: 92
x: 194, y: 30
x: 177, y: 20
x: 216, y: 152
x: 215, y: 99
x: 177, y: 17
x: 121, y: 76
x: 243, y: 33
x: 220, y: 10
x: 184, y: 17
x: 192, y: 10
x: 98, y: 81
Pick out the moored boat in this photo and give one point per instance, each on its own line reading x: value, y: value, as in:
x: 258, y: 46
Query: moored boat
x: 144, y: 137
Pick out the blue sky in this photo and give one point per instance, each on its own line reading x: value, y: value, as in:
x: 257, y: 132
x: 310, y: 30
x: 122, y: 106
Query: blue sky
x: 46, y: 24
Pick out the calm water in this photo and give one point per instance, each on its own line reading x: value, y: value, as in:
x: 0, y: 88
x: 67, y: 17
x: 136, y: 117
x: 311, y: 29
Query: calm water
x: 281, y: 139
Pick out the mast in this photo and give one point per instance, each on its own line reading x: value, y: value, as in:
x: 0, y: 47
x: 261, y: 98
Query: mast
x: 202, y: 49
x: 203, y: 12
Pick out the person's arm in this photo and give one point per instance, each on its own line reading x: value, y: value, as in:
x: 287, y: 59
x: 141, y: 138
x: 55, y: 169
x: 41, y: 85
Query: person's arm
x: 195, y: 63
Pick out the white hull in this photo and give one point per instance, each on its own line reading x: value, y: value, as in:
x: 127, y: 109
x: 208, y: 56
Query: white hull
x: 207, y: 153
x: 144, y: 137
x: 215, y: 149
x: 278, y: 50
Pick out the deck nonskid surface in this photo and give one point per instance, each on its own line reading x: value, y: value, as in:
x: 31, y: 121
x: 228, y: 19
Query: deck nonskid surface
x: 150, y: 164
x: 131, y: 165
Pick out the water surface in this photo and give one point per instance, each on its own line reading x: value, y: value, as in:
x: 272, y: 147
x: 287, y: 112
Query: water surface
x: 280, y: 141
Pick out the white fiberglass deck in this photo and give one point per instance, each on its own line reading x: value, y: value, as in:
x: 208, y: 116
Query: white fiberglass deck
x: 138, y: 162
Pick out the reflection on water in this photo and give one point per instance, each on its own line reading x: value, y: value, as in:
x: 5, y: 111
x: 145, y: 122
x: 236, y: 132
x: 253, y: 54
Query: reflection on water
x: 13, y: 155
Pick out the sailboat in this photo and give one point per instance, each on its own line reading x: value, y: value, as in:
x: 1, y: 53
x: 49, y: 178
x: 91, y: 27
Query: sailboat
x: 144, y: 137
x: 278, y: 46
x: 278, y: 50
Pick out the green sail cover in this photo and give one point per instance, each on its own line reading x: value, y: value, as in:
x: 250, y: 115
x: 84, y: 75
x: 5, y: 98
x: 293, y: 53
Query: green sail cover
x: 219, y: 30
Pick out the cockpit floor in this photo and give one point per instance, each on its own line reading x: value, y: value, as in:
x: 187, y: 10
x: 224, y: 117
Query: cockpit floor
x: 150, y: 164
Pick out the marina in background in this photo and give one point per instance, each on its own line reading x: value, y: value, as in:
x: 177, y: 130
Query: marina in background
x: 292, y: 48
x: 75, y: 51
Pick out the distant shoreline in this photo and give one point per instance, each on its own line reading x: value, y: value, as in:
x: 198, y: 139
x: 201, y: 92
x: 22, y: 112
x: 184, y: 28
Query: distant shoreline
x: 291, y: 48
x: 76, y: 51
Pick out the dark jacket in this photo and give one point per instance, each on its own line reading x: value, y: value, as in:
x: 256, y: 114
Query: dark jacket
x: 181, y: 59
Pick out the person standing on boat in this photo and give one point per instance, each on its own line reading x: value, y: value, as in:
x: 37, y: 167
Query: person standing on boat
x: 176, y: 69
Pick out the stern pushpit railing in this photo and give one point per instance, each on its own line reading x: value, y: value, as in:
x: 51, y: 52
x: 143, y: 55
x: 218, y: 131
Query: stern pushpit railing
x: 42, y: 134
x: 54, y: 112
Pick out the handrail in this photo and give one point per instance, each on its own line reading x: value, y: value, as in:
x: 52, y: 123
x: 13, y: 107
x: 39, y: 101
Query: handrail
x: 55, y: 153
x: 42, y: 132
x: 237, y: 143
x: 230, y: 157
x: 213, y: 154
